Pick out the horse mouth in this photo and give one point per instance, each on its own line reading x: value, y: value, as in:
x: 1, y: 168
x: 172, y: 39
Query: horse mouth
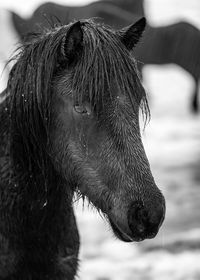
x: 121, y: 234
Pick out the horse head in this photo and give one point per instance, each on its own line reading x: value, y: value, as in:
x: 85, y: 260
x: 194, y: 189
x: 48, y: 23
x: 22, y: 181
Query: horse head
x: 76, y: 96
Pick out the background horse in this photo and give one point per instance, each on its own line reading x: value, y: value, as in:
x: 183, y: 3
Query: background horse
x: 108, y: 11
x: 177, y: 43
x: 69, y: 123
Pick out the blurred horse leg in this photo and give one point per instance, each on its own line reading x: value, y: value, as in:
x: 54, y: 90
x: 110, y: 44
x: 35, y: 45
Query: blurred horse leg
x: 195, y: 98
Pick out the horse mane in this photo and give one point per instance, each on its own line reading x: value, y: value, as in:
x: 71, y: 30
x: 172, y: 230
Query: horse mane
x: 28, y: 105
x: 103, y: 60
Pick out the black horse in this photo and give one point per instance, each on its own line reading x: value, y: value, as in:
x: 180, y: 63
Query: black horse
x: 69, y: 123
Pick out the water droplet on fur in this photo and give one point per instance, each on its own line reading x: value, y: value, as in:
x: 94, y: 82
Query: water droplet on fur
x: 45, y: 204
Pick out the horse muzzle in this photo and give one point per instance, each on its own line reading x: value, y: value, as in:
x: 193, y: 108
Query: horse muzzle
x: 141, y: 223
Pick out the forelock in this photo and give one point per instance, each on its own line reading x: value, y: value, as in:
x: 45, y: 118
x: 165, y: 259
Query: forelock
x: 105, y: 60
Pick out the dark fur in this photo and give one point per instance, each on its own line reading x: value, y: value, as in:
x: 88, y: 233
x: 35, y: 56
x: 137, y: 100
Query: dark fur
x: 38, y: 233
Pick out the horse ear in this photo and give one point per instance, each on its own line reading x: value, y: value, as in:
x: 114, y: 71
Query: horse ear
x: 130, y: 35
x: 72, y: 42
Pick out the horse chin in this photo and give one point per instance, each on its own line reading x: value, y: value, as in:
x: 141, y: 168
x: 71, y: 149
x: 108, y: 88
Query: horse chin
x: 122, y: 235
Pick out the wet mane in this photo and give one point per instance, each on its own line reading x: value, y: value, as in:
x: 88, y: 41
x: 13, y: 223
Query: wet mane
x: 102, y: 52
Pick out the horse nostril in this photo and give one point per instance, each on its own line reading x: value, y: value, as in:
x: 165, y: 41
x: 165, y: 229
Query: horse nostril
x: 137, y: 218
x: 143, y: 222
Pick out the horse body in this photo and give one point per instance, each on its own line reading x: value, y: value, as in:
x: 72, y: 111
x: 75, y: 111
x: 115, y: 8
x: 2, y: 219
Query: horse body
x: 170, y: 44
x: 133, y: 6
x: 69, y: 123
x: 178, y: 44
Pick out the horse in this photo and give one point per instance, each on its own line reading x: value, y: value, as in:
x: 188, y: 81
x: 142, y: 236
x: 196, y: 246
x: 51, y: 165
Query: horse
x: 70, y: 125
x: 178, y: 43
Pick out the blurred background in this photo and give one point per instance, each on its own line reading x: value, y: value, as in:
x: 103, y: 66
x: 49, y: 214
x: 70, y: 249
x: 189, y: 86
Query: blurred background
x: 171, y: 139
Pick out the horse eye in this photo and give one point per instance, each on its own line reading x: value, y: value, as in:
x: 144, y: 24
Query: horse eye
x: 81, y: 109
